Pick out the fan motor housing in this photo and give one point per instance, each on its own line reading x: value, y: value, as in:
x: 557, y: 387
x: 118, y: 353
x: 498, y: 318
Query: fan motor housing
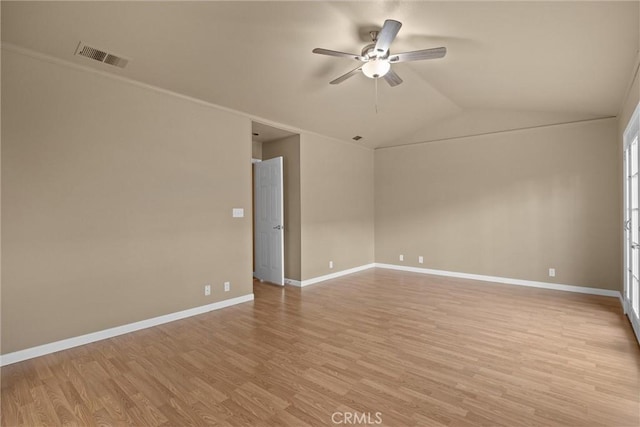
x: 369, y: 51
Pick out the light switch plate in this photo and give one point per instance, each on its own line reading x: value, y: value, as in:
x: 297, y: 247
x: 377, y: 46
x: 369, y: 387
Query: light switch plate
x: 238, y: 212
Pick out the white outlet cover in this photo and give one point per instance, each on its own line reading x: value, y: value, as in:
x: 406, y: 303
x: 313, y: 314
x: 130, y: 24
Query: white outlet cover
x: 207, y: 290
x: 401, y: 257
x: 330, y: 264
x: 227, y: 286
x: 552, y: 272
x: 421, y: 260
x: 238, y: 212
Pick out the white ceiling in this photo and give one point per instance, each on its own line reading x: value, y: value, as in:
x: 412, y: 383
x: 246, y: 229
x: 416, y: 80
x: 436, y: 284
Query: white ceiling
x: 509, y: 64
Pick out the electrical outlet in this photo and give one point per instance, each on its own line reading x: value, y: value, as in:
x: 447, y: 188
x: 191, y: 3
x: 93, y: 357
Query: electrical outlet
x: 207, y: 290
x: 552, y: 272
x: 330, y: 264
x: 227, y: 286
x: 421, y: 259
x: 401, y: 257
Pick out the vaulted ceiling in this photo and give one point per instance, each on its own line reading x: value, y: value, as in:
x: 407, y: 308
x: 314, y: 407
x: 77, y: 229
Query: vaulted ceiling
x: 509, y: 64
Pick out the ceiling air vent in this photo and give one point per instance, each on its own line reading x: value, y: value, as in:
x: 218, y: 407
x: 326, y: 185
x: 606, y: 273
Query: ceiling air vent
x: 101, y: 55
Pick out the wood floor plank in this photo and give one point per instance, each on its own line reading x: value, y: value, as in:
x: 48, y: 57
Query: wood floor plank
x: 421, y: 350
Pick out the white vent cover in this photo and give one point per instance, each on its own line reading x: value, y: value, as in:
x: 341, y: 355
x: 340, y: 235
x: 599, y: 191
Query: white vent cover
x: 101, y: 55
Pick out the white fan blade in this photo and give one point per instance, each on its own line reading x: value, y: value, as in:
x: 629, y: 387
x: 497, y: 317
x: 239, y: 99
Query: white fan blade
x: 345, y: 76
x: 418, y: 55
x: 392, y: 78
x: 386, y: 36
x: 338, y: 54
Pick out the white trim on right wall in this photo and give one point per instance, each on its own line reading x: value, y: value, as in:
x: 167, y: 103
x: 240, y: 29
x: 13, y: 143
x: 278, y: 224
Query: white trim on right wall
x: 506, y: 280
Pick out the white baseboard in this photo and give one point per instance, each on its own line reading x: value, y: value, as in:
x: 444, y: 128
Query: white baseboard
x: 41, y: 350
x: 496, y: 279
x: 331, y: 276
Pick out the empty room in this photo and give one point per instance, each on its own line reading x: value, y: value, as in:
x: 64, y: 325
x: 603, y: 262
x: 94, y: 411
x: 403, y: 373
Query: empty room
x: 310, y: 213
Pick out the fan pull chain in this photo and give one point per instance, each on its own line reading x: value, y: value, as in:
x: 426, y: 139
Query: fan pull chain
x: 376, y: 90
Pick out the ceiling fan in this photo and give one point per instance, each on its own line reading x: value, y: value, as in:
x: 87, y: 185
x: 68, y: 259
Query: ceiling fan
x: 376, y: 58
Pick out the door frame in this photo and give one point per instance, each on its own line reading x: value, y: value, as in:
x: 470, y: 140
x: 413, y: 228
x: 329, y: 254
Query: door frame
x: 631, y: 134
x: 253, y: 215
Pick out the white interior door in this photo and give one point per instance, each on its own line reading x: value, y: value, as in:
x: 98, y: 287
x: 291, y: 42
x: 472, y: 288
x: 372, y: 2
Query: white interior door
x: 269, y: 221
x: 632, y: 224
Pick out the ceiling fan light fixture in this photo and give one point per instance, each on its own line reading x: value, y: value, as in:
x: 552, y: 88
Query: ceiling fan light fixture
x: 376, y: 68
x: 376, y: 59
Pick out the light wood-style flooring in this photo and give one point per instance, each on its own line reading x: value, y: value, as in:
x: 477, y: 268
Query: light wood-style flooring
x: 419, y: 350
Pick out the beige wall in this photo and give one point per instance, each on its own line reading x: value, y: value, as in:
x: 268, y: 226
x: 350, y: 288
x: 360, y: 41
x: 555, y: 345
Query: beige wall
x: 289, y: 149
x: 510, y: 204
x: 117, y: 202
x: 337, y: 205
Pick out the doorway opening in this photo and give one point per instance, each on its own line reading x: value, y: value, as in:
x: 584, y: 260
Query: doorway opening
x: 276, y: 205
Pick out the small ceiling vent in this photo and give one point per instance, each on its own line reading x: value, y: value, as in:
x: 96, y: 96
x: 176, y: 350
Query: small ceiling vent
x: 101, y: 55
